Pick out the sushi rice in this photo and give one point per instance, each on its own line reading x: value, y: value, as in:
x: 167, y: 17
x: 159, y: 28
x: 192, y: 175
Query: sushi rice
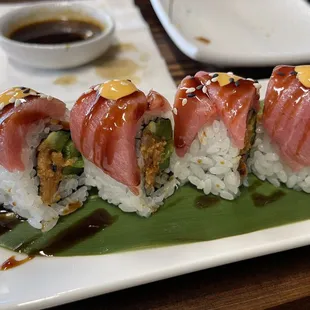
x: 266, y: 164
x: 211, y: 163
x: 19, y: 190
x: 121, y: 195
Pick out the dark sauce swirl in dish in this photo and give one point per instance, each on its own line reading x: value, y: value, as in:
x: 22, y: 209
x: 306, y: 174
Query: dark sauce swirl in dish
x: 56, y: 32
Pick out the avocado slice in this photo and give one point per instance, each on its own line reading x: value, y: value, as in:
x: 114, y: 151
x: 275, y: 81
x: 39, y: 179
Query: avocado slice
x: 164, y: 164
x: 71, y: 170
x: 76, y: 168
x: 70, y: 151
x: 79, y: 163
x: 161, y: 128
x: 56, y: 140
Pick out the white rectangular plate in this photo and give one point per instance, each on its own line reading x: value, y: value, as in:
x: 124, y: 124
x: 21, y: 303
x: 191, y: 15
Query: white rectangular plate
x: 53, y: 281
x: 241, y: 32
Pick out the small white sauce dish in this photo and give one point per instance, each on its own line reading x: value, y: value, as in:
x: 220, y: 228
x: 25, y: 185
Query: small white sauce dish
x: 55, y: 56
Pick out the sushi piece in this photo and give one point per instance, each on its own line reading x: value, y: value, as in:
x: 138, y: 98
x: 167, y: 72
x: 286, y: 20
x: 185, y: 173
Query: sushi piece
x: 282, y: 147
x: 215, y: 118
x: 40, y: 168
x: 126, y: 140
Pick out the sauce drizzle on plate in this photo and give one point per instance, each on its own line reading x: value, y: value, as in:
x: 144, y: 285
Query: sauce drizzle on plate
x: 84, y: 229
x: 12, y: 262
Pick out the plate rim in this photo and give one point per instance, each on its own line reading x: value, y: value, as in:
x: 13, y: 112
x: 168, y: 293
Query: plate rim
x: 194, y: 52
x: 145, y: 269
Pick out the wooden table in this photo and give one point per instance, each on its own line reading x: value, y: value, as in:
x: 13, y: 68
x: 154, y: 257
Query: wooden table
x: 279, y: 281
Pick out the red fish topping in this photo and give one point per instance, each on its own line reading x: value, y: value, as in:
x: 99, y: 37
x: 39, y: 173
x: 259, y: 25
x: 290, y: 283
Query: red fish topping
x: 193, y: 112
x: 157, y: 103
x: 286, y: 116
x: 16, y: 119
x: 104, y: 130
x: 206, y: 97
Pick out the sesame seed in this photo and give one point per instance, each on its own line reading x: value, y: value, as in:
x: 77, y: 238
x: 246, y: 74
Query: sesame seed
x: 49, y: 98
x: 208, y: 82
x: 2, y: 105
x: 12, y: 100
x: 129, y: 80
x: 214, y: 79
x: 255, y: 81
x: 199, y: 87
x: 175, y: 111
x: 215, y: 75
x: 249, y: 79
x: 231, y: 80
x: 204, y: 89
x: 293, y: 73
x: 211, y: 74
x: 280, y: 73
x: 184, y: 101
x: 22, y: 88
x: 257, y: 85
x: 17, y: 102
x: 230, y: 73
x: 190, y: 90
x: 53, y: 167
x: 32, y: 93
x: 190, y: 95
x: 96, y: 87
x: 26, y: 91
x: 43, y: 96
x: 237, y: 83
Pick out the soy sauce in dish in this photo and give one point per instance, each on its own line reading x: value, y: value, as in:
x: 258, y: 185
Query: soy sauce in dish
x: 56, y: 32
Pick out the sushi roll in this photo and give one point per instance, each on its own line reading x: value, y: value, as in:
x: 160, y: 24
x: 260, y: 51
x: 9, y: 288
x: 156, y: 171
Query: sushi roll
x: 215, y: 118
x: 282, y: 147
x: 126, y: 140
x: 40, y: 169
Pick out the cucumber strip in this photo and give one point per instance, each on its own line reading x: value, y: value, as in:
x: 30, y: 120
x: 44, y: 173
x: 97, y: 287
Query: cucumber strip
x: 56, y: 140
x: 71, y: 170
x: 70, y: 151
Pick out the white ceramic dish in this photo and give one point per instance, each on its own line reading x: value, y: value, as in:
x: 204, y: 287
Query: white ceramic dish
x: 55, y: 56
x: 241, y: 32
x: 46, y: 282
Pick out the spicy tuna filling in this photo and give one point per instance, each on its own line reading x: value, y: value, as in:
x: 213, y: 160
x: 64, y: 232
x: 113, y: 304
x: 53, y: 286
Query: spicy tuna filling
x: 57, y: 158
x: 156, y: 149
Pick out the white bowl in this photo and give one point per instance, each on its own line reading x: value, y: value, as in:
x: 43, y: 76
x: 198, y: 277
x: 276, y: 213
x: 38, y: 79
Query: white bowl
x: 55, y: 56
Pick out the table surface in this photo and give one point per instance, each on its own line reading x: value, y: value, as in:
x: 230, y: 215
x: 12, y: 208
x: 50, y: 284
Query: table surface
x: 279, y: 281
